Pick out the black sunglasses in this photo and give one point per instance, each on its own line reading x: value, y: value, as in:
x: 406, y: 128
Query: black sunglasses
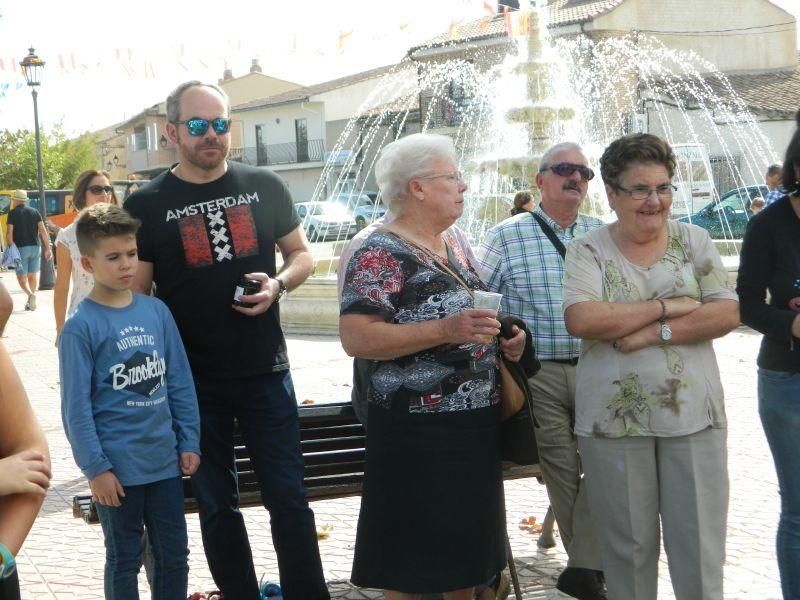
x: 100, y: 189
x: 198, y: 126
x: 566, y: 169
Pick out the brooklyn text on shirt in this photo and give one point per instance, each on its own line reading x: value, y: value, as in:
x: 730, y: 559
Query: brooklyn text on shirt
x: 211, y: 206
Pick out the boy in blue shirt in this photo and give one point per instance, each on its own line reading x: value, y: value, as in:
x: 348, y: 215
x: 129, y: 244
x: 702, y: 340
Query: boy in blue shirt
x: 129, y: 409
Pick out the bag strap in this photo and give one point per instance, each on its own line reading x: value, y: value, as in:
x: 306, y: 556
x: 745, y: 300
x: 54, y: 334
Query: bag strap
x: 551, y: 235
x: 437, y: 259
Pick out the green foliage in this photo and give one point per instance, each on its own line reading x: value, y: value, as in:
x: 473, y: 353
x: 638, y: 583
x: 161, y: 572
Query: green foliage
x: 62, y: 159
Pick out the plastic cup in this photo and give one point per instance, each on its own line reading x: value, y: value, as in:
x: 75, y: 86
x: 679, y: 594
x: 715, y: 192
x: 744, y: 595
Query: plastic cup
x: 487, y: 300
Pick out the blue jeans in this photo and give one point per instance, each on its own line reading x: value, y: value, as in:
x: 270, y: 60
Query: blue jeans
x: 779, y: 407
x: 31, y: 257
x: 266, y: 409
x: 160, y: 506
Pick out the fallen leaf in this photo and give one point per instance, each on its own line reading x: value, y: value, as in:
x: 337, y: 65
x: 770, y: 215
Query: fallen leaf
x: 306, y: 401
x: 324, y: 532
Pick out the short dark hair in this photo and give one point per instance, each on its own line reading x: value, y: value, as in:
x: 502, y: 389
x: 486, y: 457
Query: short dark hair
x: 82, y: 185
x: 774, y: 170
x: 635, y: 148
x: 174, y: 98
x: 520, y: 200
x: 792, y: 160
x: 101, y: 221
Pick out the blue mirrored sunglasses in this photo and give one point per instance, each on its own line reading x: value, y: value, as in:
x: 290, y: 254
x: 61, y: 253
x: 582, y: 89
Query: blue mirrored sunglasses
x: 198, y: 126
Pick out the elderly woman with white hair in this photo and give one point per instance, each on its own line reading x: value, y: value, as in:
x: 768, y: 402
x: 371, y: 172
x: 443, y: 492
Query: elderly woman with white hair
x: 432, y: 512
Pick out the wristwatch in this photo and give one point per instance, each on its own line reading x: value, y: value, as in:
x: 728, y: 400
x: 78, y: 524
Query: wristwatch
x: 7, y: 563
x: 282, y: 291
x: 664, y: 332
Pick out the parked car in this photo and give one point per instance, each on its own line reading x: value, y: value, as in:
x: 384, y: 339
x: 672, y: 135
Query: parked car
x: 323, y: 220
x: 726, y: 218
x: 365, y: 207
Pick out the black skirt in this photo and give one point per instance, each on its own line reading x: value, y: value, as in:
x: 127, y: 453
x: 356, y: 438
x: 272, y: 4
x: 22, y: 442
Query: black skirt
x: 432, y: 509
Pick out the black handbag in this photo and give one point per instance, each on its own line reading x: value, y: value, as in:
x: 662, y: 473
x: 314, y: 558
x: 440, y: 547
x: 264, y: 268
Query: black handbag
x: 9, y: 587
x: 518, y: 432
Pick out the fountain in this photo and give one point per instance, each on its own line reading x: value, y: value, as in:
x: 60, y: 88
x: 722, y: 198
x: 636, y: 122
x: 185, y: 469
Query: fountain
x: 503, y: 116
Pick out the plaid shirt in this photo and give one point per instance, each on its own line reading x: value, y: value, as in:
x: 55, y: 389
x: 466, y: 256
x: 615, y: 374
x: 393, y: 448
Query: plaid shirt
x: 773, y: 195
x: 519, y: 261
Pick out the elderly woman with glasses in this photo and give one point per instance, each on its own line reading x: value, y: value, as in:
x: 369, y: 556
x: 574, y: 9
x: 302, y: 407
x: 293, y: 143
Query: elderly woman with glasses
x: 647, y: 295
x: 92, y: 186
x: 432, y: 513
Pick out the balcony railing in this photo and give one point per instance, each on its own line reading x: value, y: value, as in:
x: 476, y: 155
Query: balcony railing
x: 280, y: 154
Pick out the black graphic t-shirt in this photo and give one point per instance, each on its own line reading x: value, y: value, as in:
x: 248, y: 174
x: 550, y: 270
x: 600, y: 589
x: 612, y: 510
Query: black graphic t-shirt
x: 201, y: 238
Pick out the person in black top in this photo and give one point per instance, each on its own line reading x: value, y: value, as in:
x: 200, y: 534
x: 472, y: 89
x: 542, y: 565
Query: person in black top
x: 206, y: 224
x: 770, y: 263
x: 25, y: 226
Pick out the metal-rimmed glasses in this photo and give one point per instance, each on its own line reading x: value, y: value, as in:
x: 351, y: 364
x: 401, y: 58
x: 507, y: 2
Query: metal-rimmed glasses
x: 641, y: 192
x: 197, y: 127
x: 454, y: 176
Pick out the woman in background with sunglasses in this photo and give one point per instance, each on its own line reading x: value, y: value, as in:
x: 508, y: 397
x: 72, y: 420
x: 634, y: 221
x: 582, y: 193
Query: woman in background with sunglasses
x: 92, y: 186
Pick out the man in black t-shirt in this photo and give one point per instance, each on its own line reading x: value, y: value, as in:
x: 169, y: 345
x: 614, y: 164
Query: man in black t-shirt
x: 25, y: 227
x: 206, y: 223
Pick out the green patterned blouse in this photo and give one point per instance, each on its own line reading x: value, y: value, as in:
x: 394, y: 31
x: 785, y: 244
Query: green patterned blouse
x: 669, y: 390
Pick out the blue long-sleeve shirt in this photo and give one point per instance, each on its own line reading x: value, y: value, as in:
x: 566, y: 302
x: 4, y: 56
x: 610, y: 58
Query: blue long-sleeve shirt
x: 128, y: 401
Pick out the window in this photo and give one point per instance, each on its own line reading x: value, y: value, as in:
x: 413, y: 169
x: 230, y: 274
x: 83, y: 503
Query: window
x: 301, y: 137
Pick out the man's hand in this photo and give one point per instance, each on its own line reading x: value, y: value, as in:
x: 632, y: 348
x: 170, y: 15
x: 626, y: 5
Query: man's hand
x: 513, y: 348
x: 24, y: 473
x: 261, y: 300
x: 106, y: 489
x: 189, y: 463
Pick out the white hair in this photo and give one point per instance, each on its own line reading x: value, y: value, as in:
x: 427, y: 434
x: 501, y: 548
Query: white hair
x: 550, y: 153
x: 407, y: 158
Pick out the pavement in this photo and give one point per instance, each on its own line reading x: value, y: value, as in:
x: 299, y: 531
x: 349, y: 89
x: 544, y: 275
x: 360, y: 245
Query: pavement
x: 63, y: 557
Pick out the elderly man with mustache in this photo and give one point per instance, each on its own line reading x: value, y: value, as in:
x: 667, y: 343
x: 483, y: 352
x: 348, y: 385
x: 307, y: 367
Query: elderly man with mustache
x: 522, y: 258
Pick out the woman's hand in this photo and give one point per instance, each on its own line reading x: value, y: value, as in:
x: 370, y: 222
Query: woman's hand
x: 512, y: 348
x: 646, y: 336
x: 106, y: 489
x: 471, y: 326
x: 680, y: 306
x: 24, y: 473
x: 796, y: 326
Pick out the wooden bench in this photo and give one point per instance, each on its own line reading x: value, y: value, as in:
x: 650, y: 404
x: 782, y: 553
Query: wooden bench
x: 333, y: 445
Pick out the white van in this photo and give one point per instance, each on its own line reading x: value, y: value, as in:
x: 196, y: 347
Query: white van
x: 692, y: 178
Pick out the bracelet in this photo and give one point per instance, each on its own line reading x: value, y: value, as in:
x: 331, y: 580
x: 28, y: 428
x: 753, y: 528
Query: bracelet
x: 8, y: 565
x: 663, y: 316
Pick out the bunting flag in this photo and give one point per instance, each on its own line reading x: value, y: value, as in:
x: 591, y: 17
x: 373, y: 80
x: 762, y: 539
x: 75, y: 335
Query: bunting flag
x: 343, y: 36
x: 490, y: 10
x: 453, y: 30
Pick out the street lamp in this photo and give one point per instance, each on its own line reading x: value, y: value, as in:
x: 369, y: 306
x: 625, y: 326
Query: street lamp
x: 32, y: 68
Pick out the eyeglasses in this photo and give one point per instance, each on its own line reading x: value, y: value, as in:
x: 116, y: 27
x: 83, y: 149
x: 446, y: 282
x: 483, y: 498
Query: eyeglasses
x: 101, y: 189
x: 641, y: 192
x: 454, y: 177
x: 565, y: 169
x: 198, y: 127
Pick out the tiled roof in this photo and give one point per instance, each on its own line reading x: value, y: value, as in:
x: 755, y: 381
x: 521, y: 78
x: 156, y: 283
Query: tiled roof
x: 773, y: 94
x: 304, y: 93
x: 479, y: 29
x: 560, y: 12
x: 567, y: 12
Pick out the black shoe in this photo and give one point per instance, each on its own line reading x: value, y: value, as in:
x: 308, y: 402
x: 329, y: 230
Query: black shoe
x: 584, y: 584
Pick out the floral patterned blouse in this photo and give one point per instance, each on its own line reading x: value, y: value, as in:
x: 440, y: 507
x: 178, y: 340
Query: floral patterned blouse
x: 669, y: 390
x: 391, y: 278
x: 82, y: 282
